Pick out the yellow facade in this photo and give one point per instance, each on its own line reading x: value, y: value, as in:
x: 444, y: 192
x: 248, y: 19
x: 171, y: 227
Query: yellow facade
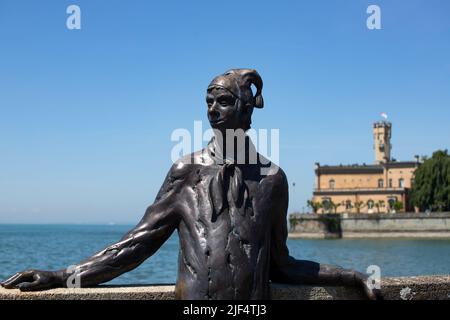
x: 367, y: 188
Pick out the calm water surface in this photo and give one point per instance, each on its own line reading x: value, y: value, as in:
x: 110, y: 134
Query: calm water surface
x: 51, y: 247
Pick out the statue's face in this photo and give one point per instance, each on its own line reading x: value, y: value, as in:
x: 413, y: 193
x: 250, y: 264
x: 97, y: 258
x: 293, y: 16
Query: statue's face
x: 223, y: 111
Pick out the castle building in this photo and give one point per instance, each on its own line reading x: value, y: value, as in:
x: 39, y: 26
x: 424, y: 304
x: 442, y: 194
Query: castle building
x: 381, y: 187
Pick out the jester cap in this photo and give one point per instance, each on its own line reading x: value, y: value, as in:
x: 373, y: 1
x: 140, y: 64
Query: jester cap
x: 238, y: 82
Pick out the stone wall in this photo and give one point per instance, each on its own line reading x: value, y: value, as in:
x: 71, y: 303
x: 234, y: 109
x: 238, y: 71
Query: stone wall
x: 416, y: 225
x: 406, y: 288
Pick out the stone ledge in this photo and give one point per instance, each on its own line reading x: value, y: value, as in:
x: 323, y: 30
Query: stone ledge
x: 414, y: 288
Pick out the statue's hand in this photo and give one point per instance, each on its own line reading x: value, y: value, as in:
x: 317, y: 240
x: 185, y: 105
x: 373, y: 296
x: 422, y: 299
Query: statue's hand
x: 370, y: 292
x: 33, y: 280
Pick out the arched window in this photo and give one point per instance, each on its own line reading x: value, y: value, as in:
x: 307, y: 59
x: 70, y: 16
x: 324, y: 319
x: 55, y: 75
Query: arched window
x: 332, y: 183
x: 370, y: 204
x: 380, y: 183
x: 401, y: 183
x: 326, y: 204
x: 391, y: 202
x: 348, y: 205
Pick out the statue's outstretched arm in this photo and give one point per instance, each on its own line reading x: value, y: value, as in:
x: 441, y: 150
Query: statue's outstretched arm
x: 286, y: 269
x: 157, y: 225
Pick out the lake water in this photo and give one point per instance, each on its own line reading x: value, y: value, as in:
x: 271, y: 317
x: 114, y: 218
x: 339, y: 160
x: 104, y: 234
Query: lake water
x: 51, y: 247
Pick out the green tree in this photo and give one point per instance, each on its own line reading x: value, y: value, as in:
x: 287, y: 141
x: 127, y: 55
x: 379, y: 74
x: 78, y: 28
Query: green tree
x: 398, y: 206
x: 431, y: 187
x: 315, y: 206
x: 293, y: 221
x: 334, y: 206
x: 379, y: 205
x: 359, y: 205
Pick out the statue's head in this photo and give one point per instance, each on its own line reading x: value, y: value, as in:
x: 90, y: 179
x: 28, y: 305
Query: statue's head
x: 231, y: 100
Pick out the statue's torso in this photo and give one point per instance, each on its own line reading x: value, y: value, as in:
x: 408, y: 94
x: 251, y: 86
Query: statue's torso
x: 226, y: 254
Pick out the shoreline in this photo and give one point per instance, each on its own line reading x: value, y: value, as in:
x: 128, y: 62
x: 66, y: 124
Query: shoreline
x: 370, y: 226
x: 373, y: 235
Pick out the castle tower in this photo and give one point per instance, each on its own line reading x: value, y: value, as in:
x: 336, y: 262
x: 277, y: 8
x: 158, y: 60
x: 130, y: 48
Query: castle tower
x: 382, y: 141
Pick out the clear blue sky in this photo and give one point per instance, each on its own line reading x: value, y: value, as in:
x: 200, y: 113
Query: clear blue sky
x: 86, y: 115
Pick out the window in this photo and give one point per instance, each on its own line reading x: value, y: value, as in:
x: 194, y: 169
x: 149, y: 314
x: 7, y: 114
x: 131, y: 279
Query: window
x: 390, y: 183
x: 370, y: 204
x: 348, y: 205
x: 332, y: 184
x: 380, y: 183
x: 401, y: 183
x: 326, y: 204
x: 391, y: 202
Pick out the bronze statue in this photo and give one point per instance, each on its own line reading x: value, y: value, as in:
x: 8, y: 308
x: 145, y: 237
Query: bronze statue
x: 231, y: 218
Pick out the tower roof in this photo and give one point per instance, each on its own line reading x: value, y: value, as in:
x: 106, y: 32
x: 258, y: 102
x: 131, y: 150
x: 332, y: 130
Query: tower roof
x: 382, y: 124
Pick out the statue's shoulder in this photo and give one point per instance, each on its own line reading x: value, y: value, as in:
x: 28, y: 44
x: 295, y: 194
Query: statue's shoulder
x: 189, y: 163
x: 276, y: 181
x: 273, y: 173
x: 278, y: 176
